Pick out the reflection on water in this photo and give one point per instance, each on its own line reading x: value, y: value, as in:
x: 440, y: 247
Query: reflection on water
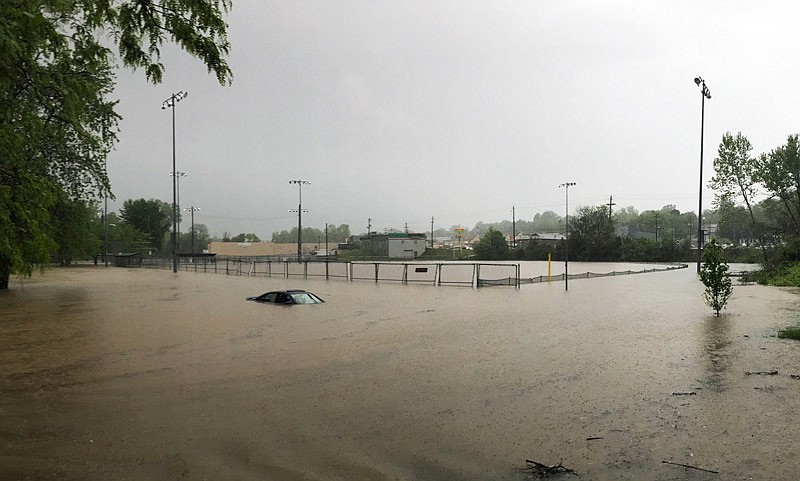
x: 717, y: 339
x: 135, y: 374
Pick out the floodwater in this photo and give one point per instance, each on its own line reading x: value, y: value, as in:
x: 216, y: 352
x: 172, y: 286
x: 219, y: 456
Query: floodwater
x: 133, y: 374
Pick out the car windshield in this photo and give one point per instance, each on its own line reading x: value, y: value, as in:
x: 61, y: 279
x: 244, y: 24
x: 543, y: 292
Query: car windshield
x: 305, y: 298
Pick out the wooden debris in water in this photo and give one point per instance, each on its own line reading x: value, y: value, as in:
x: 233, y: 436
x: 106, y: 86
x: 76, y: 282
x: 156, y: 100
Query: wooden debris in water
x: 690, y: 393
x: 691, y: 467
x: 765, y: 373
x: 546, y: 470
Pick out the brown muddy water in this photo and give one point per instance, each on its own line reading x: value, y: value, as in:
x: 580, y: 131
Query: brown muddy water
x: 132, y: 374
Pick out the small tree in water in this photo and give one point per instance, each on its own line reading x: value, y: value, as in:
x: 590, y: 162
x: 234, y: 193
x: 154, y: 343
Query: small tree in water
x: 714, y: 275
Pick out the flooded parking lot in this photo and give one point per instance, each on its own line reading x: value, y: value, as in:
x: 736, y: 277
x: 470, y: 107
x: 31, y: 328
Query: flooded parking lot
x: 133, y: 374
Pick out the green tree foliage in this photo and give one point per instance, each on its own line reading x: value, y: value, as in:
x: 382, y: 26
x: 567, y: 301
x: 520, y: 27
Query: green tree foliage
x: 122, y: 237
x: 242, y: 237
x: 536, y: 250
x: 779, y: 171
x: 151, y: 217
x: 668, y: 224
x: 547, y: 221
x: 736, y: 175
x: 201, y: 239
x: 714, y: 275
x: 72, y: 228
x: 735, y: 222
x: 312, y: 234
x: 492, y: 246
x: 57, y: 118
x: 591, y: 235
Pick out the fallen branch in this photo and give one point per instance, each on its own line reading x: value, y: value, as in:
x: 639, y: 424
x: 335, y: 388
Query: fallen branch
x: 593, y: 438
x: 690, y: 393
x: 692, y: 467
x: 794, y: 376
x: 766, y: 373
x: 543, y: 469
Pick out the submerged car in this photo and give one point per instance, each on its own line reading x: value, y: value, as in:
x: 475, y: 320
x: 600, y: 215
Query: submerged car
x: 288, y: 297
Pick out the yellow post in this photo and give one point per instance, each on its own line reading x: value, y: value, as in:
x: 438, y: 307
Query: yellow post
x: 548, y: 267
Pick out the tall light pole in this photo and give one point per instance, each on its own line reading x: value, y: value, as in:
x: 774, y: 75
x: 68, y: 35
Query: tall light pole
x: 192, y: 209
x: 566, y: 186
x: 299, y: 211
x: 178, y: 176
x: 105, y: 229
x: 704, y: 94
x: 170, y: 103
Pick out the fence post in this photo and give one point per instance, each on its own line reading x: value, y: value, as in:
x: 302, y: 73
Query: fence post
x: 476, y: 274
x: 376, y: 272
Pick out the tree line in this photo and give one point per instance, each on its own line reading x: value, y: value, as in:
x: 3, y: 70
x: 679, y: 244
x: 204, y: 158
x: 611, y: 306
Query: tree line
x: 756, y: 208
x: 143, y: 226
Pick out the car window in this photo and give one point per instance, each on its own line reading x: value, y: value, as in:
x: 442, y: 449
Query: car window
x: 306, y: 298
x: 282, y: 298
x: 268, y: 297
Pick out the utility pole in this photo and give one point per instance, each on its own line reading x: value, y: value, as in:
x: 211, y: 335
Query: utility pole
x: 300, y: 211
x: 327, y: 251
x: 513, y: 228
x: 657, y: 228
x: 431, y: 232
x: 610, y: 204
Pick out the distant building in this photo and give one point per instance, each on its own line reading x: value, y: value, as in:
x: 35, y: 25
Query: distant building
x: 265, y: 249
x: 396, y: 245
x: 547, y: 238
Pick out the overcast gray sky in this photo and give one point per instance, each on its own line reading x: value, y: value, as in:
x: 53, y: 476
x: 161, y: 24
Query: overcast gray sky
x: 458, y: 110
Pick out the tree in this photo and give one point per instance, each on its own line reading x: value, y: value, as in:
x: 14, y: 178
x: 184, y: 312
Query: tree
x: 591, y: 235
x: 72, y: 229
x: 492, y: 246
x: 714, y: 275
x: 242, y: 237
x: 151, y: 217
x: 547, y: 221
x: 200, y: 241
x: 779, y: 171
x: 57, y: 120
x: 736, y: 176
x: 312, y: 234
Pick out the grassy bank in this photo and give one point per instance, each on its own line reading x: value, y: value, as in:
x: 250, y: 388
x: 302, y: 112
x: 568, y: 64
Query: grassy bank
x: 790, y: 333
x: 786, y: 275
